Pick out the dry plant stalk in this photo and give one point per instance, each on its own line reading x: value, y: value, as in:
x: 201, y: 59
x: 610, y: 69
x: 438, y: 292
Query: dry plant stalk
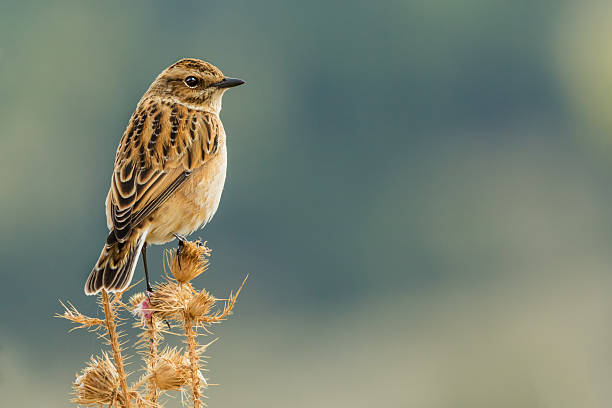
x: 105, y: 383
x: 149, y: 338
x: 110, y: 316
x: 176, y: 299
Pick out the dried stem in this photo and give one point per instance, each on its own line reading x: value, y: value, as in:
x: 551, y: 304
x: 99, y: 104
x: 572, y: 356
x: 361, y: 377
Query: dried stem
x: 113, y: 338
x: 72, y: 314
x: 104, y: 383
x: 152, y: 358
x: 193, y: 362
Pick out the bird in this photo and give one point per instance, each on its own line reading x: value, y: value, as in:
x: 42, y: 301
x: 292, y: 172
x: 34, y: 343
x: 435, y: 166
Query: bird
x: 169, y: 170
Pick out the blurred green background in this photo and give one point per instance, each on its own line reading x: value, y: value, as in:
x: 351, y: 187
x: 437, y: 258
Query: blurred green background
x: 419, y: 190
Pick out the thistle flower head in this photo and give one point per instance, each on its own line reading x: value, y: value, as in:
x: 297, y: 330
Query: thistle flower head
x: 98, y: 383
x: 200, y: 305
x: 104, y: 381
x: 191, y: 262
x: 171, y: 370
x: 141, y: 307
x: 170, y: 299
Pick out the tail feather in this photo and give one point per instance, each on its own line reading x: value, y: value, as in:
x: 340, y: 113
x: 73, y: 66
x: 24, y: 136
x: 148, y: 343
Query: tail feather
x: 115, y: 267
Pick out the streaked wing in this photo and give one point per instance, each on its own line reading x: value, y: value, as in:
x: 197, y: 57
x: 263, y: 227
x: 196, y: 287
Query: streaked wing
x: 162, y: 145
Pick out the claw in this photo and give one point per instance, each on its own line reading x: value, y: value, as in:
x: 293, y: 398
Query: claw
x: 181, y: 244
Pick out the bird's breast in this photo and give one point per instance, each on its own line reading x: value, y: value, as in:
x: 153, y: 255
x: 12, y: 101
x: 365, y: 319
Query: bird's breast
x: 194, y: 204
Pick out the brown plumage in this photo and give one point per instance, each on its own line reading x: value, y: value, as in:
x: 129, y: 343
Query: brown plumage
x: 169, y: 169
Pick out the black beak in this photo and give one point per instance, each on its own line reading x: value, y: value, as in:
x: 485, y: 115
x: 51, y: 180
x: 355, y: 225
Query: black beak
x: 228, y: 83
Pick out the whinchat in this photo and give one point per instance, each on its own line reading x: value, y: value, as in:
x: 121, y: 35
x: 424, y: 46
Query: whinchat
x: 169, y: 169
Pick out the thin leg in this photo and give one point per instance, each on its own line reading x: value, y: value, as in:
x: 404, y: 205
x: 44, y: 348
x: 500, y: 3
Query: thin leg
x: 144, y: 260
x: 181, y: 243
x: 149, y: 288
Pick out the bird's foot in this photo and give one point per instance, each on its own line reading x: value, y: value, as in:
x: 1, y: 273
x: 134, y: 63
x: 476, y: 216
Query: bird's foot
x: 148, y: 293
x: 181, y: 244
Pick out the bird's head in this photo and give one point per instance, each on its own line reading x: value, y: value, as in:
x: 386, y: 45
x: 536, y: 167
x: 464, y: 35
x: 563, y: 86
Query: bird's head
x: 193, y: 83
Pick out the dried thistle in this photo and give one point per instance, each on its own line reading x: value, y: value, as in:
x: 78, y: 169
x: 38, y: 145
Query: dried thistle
x: 194, y: 363
x: 199, y: 305
x: 148, y: 342
x: 72, y: 314
x: 170, y: 299
x: 141, y: 307
x: 171, y: 370
x: 189, y: 262
x: 98, y: 383
x: 105, y: 381
x: 228, y: 307
x: 110, y: 317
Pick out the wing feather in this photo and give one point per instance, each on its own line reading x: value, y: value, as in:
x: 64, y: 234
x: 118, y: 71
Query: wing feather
x: 161, y: 147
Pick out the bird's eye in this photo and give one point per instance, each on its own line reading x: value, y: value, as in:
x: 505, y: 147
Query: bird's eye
x: 191, y: 81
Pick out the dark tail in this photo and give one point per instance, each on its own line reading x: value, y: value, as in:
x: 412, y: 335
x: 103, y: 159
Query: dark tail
x: 115, y: 267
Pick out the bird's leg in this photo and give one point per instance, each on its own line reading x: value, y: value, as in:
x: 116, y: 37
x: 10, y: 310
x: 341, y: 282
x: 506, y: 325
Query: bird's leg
x: 146, y: 269
x: 149, y: 288
x: 181, y: 244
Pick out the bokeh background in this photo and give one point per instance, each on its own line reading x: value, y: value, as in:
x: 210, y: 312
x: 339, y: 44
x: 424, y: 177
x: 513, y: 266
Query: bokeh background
x: 420, y: 192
